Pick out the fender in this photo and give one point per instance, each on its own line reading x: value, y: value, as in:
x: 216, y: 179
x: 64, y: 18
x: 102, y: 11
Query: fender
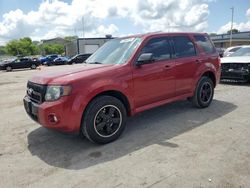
x: 206, y: 67
x: 89, y: 93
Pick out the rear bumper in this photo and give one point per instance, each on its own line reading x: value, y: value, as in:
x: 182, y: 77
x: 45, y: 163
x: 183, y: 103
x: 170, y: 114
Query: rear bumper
x: 67, y: 120
x: 235, y: 75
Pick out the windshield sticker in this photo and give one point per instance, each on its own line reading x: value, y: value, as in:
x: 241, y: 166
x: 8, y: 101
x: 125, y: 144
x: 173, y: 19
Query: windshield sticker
x: 127, y: 40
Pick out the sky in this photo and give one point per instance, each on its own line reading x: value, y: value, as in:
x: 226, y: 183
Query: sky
x: 45, y: 19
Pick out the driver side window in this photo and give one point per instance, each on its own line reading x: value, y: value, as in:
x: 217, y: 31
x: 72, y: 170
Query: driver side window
x: 159, y: 47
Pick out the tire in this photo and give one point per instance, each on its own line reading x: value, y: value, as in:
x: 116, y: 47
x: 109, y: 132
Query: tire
x: 204, y: 93
x: 104, y: 120
x: 33, y: 66
x: 8, y: 68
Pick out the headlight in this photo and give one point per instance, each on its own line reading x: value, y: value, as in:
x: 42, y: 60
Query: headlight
x: 55, y: 92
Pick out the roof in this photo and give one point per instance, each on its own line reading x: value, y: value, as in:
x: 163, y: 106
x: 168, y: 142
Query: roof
x: 163, y: 34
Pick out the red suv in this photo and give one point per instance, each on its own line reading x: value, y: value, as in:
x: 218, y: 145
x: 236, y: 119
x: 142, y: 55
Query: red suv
x: 122, y: 78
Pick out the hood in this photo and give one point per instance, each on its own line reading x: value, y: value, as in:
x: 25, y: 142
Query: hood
x: 237, y: 59
x: 66, y: 74
x: 5, y: 62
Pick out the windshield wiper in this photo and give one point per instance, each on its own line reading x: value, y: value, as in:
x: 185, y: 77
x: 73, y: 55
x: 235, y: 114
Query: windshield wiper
x: 95, y: 62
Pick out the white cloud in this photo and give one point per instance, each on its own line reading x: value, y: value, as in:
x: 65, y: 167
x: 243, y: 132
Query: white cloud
x: 56, y: 18
x: 243, y: 26
x: 248, y: 13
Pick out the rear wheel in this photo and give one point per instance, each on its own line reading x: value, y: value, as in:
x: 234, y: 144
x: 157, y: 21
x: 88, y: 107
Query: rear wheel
x: 8, y: 68
x: 104, y: 120
x: 33, y: 66
x: 204, y: 93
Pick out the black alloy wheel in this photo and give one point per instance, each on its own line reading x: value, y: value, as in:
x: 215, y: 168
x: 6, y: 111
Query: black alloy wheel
x: 107, y: 121
x: 104, y: 119
x: 204, y: 92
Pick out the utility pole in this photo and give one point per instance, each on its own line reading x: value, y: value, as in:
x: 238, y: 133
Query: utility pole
x: 83, y: 27
x: 232, y: 23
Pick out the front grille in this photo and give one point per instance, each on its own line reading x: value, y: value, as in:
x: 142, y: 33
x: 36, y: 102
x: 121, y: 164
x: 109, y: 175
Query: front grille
x: 36, y: 92
x: 234, y: 66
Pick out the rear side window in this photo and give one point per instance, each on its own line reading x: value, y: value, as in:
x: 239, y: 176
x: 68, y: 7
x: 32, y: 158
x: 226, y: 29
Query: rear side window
x: 204, y: 43
x: 159, y: 47
x: 184, y: 47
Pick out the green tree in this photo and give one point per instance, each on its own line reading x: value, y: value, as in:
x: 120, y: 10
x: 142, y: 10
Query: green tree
x: 23, y: 46
x: 233, y: 31
x: 70, y: 38
x: 13, y: 48
x: 212, y: 34
x: 52, y: 48
x: 2, y: 50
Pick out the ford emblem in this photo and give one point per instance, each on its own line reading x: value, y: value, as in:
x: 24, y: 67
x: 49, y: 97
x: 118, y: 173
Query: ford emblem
x: 30, y: 91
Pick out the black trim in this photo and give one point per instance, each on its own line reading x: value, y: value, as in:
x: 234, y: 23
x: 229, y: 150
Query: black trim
x: 77, y: 41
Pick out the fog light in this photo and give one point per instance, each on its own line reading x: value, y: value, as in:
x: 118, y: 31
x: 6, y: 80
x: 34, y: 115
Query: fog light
x: 52, y: 118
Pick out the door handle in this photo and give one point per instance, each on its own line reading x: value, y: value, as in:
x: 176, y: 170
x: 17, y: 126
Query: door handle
x: 198, y: 61
x: 167, y: 67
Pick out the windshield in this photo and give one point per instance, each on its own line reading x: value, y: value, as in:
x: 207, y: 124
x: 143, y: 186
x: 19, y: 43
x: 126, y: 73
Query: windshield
x: 115, y: 51
x: 241, y: 52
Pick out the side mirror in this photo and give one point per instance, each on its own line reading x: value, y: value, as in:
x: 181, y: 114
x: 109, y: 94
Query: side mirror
x: 144, y: 59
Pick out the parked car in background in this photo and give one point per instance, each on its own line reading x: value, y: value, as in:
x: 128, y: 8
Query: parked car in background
x: 19, y: 63
x: 122, y: 78
x: 231, y: 50
x: 79, y: 58
x: 48, y: 58
x: 237, y: 65
x: 36, y: 59
x: 58, y: 61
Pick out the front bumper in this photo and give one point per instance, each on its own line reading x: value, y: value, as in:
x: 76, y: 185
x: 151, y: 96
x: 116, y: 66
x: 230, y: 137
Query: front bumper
x: 2, y: 68
x: 67, y: 120
x: 235, y: 75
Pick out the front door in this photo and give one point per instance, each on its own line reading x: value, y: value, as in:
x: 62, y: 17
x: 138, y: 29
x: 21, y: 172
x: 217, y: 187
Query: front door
x: 155, y: 81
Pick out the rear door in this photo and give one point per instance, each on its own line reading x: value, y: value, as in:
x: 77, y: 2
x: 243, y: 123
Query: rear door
x: 25, y: 62
x: 209, y: 55
x: 155, y: 81
x: 187, y: 63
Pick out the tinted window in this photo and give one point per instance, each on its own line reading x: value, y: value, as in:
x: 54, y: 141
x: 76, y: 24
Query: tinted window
x: 159, y: 47
x: 234, y: 49
x: 183, y: 47
x: 241, y: 52
x: 204, y: 43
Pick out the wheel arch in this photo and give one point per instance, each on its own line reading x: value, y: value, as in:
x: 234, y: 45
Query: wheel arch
x: 114, y: 93
x: 211, y: 75
x: 119, y: 95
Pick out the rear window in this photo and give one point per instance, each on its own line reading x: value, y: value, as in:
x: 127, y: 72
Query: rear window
x: 204, y: 43
x: 184, y: 47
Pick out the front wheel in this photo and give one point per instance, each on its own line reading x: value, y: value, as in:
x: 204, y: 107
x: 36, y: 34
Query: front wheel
x: 8, y: 68
x: 204, y: 93
x: 104, y: 120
